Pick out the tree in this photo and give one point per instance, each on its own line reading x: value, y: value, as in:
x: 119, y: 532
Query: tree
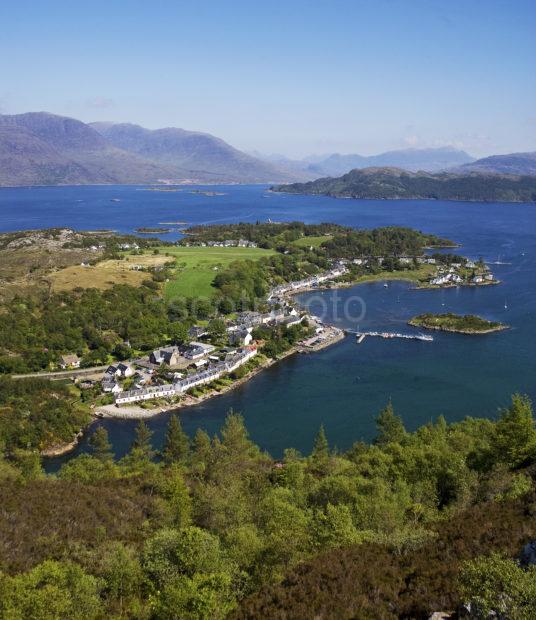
x: 320, y: 447
x: 120, y: 567
x: 176, y: 443
x: 217, y: 329
x: 141, y: 446
x: 50, y: 591
x: 334, y: 527
x: 172, y: 553
x: 100, y: 445
x: 235, y: 438
x: 197, y: 598
x: 173, y: 489
x: 498, y: 587
x: 390, y: 427
x: 201, y: 451
x: 515, y: 437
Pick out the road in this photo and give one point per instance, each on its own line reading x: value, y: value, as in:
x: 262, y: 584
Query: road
x: 64, y: 374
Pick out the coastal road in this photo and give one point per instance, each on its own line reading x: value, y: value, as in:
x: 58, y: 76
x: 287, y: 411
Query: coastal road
x: 64, y: 374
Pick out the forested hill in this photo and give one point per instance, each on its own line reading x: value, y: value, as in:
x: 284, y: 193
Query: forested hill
x: 215, y: 529
x: 394, y: 183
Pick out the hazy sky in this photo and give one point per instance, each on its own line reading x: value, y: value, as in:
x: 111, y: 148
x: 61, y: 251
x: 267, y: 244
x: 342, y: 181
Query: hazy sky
x: 293, y: 77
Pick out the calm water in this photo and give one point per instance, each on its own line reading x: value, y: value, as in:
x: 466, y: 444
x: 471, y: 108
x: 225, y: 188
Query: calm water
x: 344, y: 386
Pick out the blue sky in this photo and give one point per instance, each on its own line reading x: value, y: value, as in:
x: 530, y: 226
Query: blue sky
x: 290, y: 77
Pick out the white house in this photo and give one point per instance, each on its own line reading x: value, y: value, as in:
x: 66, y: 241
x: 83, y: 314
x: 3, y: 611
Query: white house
x: 196, y: 350
x: 69, y: 361
x: 124, y: 370
x: 241, y: 337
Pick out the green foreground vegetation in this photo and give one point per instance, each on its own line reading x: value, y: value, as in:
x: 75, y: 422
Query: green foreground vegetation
x: 463, y: 324
x: 216, y: 528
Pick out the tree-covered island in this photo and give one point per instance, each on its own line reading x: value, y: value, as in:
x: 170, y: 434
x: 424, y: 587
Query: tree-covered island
x: 461, y: 324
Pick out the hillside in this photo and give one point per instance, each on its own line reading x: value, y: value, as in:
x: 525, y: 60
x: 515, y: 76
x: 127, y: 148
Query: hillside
x: 195, y: 152
x: 408, y: 526
x: 430, y: 160
x: 39, y: 148
x: 44, y: 149
x: 393, y: 183
x: 513, y: 163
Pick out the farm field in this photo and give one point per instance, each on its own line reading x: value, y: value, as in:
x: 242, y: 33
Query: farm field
x: 197, y: 267
x: 105, y: 274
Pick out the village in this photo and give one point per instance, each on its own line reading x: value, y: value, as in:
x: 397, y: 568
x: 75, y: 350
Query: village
x: 198, y: 363
x: 172, y: 371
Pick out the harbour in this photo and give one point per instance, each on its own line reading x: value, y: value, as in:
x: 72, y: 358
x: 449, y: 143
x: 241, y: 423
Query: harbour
x: 360, y: 336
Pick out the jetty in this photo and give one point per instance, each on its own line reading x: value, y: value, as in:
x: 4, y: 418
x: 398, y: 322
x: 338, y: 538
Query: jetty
x: 360, y: 336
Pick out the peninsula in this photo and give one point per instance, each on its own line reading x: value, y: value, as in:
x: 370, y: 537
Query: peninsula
x: 395, y: 183
x: 461, y: 324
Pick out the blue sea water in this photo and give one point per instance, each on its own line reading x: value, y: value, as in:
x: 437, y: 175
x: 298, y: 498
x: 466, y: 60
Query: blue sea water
x: 342, y: 387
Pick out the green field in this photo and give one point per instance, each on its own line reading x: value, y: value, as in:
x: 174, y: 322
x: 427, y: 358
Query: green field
x: 197, y: 267
x: 306, y: 242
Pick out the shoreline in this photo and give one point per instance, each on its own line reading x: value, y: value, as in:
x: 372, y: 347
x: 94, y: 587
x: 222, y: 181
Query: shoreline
x: 139, y: 413
x: 136, y: 412
x: 61, y: 449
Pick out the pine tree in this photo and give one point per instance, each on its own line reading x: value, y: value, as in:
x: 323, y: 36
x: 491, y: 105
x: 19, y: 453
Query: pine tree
x: 176, y: 444
x: 515, y: 436
x: 100, y: 445
x: 390, y: 427
x: 235, y: 438
x: 142, y: 442
x: 201, y: 451
x: 320, y: 447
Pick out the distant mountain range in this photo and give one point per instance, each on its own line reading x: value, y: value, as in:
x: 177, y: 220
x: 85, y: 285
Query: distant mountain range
x: 413, y: 160
x: 38, y: 148
x: 394, y: 183
x: 430, y: 160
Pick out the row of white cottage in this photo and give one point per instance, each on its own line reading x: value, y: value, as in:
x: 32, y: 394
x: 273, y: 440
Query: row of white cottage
x: 182, y: 385
x: 308, y: 282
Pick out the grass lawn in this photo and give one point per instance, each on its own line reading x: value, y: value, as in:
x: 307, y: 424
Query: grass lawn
x: 197, y: 267
x: 412, y: 275
x: 306, y: 242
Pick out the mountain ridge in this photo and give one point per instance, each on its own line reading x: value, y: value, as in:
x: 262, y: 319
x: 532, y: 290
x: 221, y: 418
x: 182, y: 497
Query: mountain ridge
x: 40, y: 148
x: 194, y: 151
x: 510, y: 163
x: 395, y: 183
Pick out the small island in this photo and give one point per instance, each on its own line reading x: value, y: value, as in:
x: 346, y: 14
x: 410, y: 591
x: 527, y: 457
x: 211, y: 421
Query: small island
x: 461, y: 324
x: 144, y: 230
